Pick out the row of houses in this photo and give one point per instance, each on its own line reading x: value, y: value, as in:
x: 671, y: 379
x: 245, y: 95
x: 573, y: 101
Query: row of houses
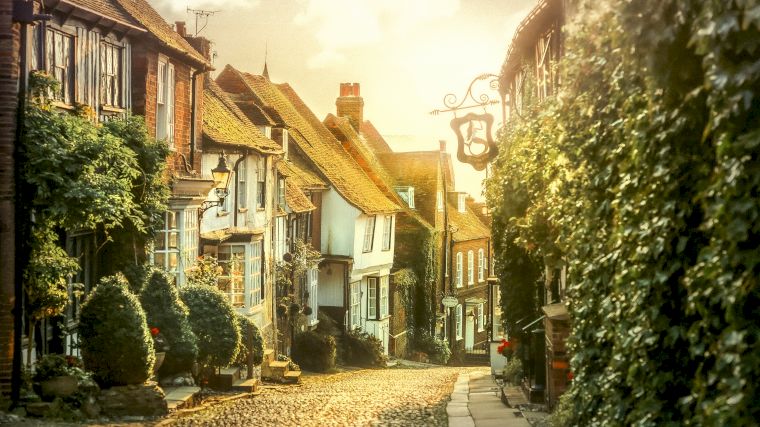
x: 334, y: 184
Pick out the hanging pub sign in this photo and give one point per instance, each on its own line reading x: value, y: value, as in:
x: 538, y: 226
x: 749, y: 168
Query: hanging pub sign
x: 475, y: 144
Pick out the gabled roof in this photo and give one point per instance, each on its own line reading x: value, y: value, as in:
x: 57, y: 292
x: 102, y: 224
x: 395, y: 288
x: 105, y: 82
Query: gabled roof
x: 375, y: 141
x: 320, y: 146
x: 143, y: 13
x: 225, y: 124
x: 296, y: 199
x: 300, y: 174
x: 418, y: 169
x: 466, y: 224
x: 109, y: 9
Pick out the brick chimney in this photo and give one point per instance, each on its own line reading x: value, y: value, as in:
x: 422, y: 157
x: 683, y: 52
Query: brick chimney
x: 181, y: 28
x: 350, y: 104
x: 442, y: 142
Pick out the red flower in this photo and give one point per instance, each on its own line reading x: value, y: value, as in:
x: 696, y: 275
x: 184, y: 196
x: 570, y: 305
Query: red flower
x: 154, y: 331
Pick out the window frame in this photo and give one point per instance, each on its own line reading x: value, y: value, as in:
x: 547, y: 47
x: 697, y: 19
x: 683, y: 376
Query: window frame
x: 481, y: 317
x: 458, y: 274
x: 166, y: 251
x: 355, y: 300
x: 439, y: 201
x: 67, y: 92
x: 481, y: 265
x: 113, y: 98
x: 165, y: 100
x: 470, y: 268
x: 459, y: 321
x: 369, y: 234
x: 387, y: 232
x: 236, y: 290
x: 384, y: 297
x: 261, y: 183
x: 256, y: 294
x: 241, y: 186
x: 373, y: 297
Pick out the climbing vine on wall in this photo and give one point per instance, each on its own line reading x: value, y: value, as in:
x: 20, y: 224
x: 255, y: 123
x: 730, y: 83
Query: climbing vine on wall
x: 643, y: 175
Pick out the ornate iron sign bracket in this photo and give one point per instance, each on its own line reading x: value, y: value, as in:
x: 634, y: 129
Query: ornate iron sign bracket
x: 475, y: 144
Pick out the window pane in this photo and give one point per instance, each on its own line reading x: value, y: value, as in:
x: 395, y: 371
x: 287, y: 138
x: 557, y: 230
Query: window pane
x: 173, y: 260
x: 160, y: 259
x: 173, y: 239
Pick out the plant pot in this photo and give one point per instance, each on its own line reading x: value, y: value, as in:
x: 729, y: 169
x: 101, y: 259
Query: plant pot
x: 62, y: 386
x: 307, y: 310
x: 160, y: 356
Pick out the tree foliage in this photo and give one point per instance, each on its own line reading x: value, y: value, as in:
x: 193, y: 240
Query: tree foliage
x: 642, y: 175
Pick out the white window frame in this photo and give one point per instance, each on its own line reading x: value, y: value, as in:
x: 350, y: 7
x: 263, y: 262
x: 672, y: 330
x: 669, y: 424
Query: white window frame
x: 461, y: 203
x: 261, y: 183
x: 242, y: 187
x: 234, y: 271
x: 481, y: 317
x: 439, y: 201
x: 165, y: 85
x: 355, y: 307
x: 369, y: 234
x: 372, y: 297
x: 313, y: 277
x: 459, y: 270
x: 387, y: 232
x: 411, y: 197
x: 111, y: 60
x: 481, y: 264
x: 163, y: 251
x: 470, y: 268
x: 256, y: 287
x: 384, y: 291
x: 458, y: 315
x: 189, y: 242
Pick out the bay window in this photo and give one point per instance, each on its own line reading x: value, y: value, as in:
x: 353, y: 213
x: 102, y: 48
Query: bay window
x: 232, y: 279
x: 166, y: 249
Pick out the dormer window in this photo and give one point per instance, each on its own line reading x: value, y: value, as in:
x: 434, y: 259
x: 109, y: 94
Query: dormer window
x: 461, y: 202
x: 407, y: 194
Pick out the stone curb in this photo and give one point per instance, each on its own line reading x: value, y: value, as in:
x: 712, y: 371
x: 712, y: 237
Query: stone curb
x: 457, y: 408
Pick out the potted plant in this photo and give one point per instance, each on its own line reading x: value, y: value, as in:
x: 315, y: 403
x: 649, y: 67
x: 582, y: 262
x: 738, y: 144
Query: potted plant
x: 307, y: 310
x: 55, y: 377
x: 160, y: 346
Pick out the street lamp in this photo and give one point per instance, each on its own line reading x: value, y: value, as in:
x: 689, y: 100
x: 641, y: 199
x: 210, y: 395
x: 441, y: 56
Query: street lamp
x: 221, y: 174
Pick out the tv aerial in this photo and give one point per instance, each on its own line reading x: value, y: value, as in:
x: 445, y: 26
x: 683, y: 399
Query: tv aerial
x: 203, y: 15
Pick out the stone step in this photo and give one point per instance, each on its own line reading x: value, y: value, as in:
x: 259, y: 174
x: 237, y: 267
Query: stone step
x: 180, y: 397
x: 278, y: 365
x: 268, y: 355
x: 292, y: 376
x: 245, y: 386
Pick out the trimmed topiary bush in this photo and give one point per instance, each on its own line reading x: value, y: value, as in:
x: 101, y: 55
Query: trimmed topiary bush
x: 114, y: 338
x: 214, y: 322
x: 256, y: 345
x: 362, y: 349
x: 314, y: 352
x: 165, y: 310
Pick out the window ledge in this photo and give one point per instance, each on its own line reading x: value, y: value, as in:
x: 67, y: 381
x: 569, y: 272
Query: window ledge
x: 242, y: 210
x: 62, y: 105
x: 222, y: 213
x: 112, y: 109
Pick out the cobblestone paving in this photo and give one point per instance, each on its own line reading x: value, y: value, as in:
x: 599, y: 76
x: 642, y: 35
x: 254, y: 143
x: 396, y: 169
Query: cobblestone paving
x: 396, y: 397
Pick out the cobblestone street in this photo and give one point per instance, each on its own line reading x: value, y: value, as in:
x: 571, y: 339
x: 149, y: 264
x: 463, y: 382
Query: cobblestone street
x: 410, y: 397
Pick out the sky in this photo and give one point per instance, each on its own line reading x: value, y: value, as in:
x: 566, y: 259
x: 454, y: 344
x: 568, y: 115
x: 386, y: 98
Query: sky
x: 406, y: 54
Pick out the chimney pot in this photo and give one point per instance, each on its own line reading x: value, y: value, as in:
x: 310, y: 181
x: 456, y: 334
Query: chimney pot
x: 442, y: 142
x: 181, y: 28
x: 345, y: 89
x: 356, y: 89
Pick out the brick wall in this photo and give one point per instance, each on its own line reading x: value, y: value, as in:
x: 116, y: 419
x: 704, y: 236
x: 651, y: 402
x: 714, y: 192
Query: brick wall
x: 9, y: 48
x: 144, y: 101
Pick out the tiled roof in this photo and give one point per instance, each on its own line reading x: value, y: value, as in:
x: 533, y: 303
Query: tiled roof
x: 375, y: 141
x: 467, y: 224
x: 418, y: 169
x: 321, y: 147
x: 225, y: 124
x: 296, y: 199
x: 300, y: 174
x: 107, y: 8
x: 143, y: 13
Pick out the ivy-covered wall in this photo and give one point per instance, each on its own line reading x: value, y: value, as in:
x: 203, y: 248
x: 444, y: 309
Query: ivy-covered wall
x: 643, y: 176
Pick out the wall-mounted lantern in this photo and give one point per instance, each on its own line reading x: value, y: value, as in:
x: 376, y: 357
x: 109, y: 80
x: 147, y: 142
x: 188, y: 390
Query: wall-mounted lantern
x: 221, y: 175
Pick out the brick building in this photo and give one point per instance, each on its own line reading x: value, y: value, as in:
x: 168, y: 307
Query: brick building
x: 9, y: 60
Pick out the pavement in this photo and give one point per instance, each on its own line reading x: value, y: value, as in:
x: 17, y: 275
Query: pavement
x: 475, y: 402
